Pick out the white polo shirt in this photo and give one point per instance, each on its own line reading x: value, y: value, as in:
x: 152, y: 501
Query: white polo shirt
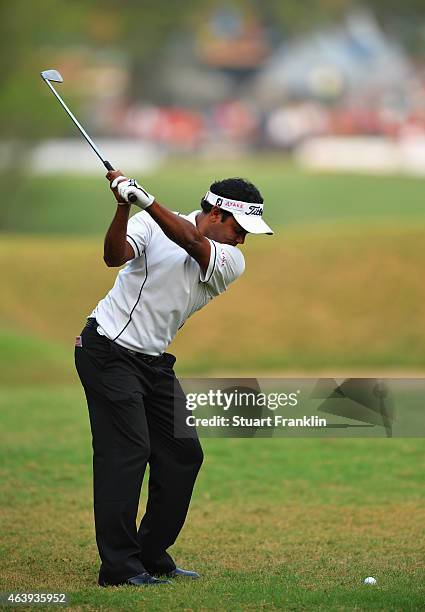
x: 161, y: 287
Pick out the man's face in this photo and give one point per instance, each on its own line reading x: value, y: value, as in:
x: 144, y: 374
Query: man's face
x: 227, y: 232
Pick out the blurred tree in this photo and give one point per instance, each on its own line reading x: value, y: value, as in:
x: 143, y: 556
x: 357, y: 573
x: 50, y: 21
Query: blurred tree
x: 404, y: 20
x: 31, y: 37
x: 37, y: 35
x: 297, y: 17
x: 147, y: 27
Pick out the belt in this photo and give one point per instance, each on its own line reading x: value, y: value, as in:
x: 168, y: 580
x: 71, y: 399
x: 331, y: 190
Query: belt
x: 92, y: 323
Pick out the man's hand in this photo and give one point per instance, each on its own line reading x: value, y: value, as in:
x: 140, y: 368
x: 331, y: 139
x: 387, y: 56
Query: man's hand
x: 115, y: 177
x: 130, y: 187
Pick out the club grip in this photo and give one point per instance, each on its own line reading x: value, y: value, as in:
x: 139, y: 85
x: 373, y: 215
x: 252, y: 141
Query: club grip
x: 131, y: 198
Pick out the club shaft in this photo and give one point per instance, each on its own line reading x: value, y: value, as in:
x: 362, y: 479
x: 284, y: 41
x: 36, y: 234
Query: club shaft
x: 132, y: 197
x: 77, y: 123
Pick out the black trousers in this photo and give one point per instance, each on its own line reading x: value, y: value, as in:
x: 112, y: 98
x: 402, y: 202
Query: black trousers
x: 134, y: 407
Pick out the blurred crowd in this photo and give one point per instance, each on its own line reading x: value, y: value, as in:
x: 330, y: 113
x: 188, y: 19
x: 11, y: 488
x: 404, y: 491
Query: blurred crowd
x: 241, y: 124
x: 232, y: 90
x: 220, y: 78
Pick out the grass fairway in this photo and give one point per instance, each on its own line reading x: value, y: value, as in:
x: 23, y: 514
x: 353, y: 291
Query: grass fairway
x: 314, y: 299
x: 84, y: 205
x: 339, y: 286
x: 274, y: 523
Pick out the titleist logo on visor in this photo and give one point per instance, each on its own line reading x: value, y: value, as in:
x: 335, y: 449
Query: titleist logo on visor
x: 237, y: 207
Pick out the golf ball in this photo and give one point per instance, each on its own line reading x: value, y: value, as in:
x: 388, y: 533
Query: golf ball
x: 369, y: 580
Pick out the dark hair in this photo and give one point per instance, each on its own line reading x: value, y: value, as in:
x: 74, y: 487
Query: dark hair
x: 235, y: 189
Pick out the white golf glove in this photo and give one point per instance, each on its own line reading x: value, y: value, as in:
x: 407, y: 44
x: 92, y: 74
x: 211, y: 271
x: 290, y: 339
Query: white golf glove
x: 127, y: 187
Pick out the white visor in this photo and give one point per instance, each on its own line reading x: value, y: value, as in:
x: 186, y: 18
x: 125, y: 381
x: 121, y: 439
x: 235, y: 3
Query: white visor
x: 249, y: 215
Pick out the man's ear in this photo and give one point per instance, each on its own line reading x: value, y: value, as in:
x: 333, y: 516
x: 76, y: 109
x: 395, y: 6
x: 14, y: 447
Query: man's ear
x: 215, y: 214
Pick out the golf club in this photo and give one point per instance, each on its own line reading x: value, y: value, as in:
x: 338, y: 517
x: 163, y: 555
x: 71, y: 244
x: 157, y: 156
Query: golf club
x: 54, y: 76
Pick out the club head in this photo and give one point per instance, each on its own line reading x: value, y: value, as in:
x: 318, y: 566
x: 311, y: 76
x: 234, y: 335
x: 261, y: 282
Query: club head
x: 52, y: 75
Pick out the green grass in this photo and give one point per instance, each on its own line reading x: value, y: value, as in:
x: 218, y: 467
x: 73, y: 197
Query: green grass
x: 31, y: 359
x: 313, y: 299
x: 339, y: 286
x: 274, y: 524
x: 83, y: 205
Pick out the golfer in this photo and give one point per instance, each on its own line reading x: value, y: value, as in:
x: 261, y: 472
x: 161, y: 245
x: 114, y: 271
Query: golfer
x: 175, y: 264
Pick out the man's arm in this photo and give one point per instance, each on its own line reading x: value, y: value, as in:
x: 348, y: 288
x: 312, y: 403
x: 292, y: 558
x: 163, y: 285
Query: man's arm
x: 117, y: 250
x: 183, y: 233
x: 177, y: 229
